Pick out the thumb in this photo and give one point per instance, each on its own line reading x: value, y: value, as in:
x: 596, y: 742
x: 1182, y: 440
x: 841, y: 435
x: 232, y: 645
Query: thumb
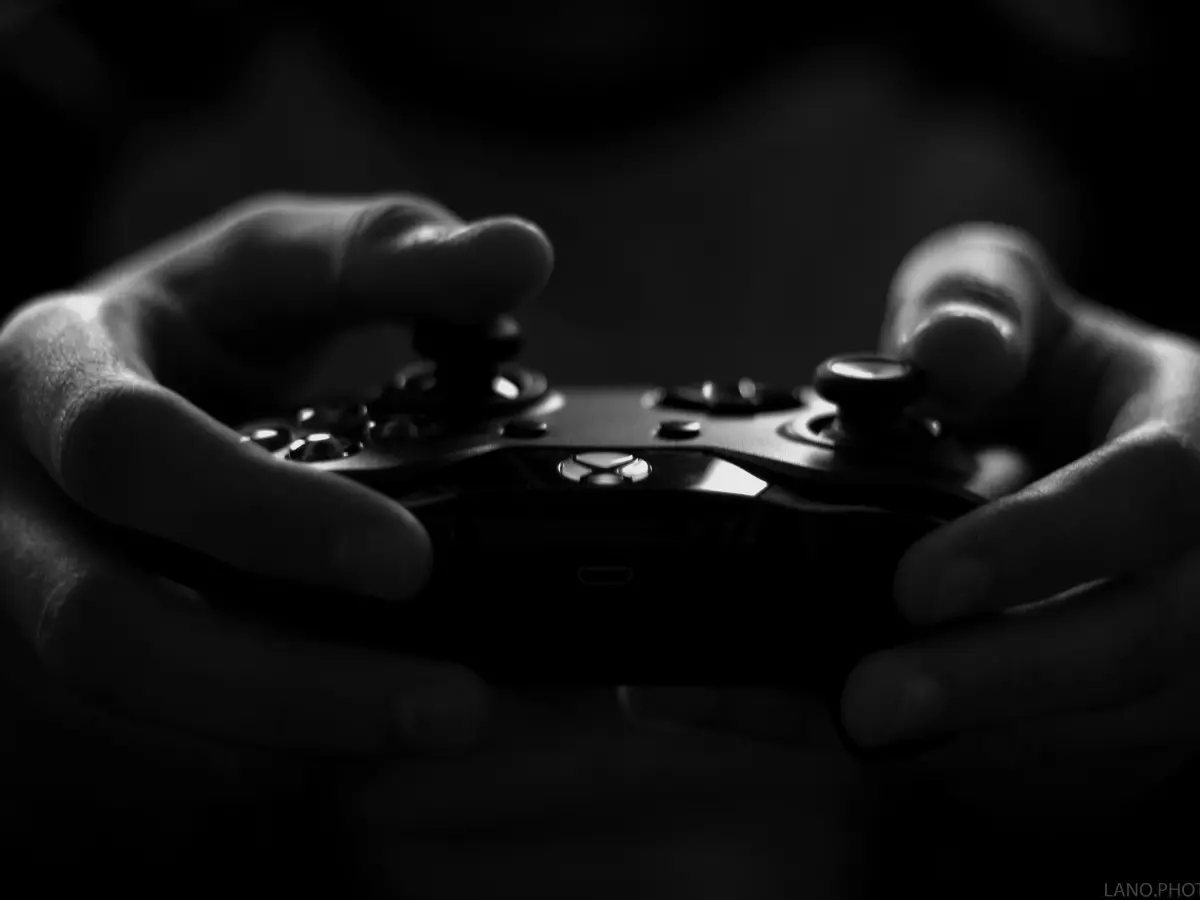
x: 311, y: 264
x: 973, y: 307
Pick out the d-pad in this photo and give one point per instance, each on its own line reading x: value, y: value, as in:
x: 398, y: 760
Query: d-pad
x: 604, y: 467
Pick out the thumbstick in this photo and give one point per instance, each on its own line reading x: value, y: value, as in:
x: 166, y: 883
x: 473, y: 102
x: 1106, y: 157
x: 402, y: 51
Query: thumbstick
x: 471, y: 347
x: 872, y: 395
x: 468, y: 371
x: 467, y: 359
x: 868, y: 387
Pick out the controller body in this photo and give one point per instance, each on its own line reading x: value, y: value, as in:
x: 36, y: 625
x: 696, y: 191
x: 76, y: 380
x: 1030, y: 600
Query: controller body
x: 690, y: 534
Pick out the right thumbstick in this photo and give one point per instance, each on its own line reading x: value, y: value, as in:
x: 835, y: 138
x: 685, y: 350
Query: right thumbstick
x: 865, y: 387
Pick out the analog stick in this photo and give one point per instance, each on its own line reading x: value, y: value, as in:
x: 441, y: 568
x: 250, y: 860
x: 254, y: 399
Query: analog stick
x: 871, y: 393
x: 467, y: 359
x: 469, y: 369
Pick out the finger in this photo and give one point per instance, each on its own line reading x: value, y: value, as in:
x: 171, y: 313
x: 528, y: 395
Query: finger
x: 1150, y: 727
x: 1124, y: 509
x: 974, y: 306
x: 151, y: 651
x: 353, y: 366
x: 347, y: 261
x: 1097, y: 648
x: 140, y: 456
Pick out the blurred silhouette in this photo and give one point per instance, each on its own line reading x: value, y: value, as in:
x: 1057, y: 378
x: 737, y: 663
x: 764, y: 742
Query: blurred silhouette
x: 626, y: 129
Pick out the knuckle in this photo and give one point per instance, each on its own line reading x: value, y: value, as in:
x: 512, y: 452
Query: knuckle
x: 1006, y: 238
x: 243, y: 230
x: 1165, y: 447
x: 263, y: 206
x: 316, y: 234
x: 30, y: 316
x: 25, y: 329
x: 264, y: 213
x: 394, y: 214
x: 1165, y: 460
x: 982, y: 256
x: 375, y: 223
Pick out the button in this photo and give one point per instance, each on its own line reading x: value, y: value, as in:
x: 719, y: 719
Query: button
x: 678, y: 429
x: 400, y: 429
x: 574, y: 471
x: 271, y: 439
x: 604, y: 478
x: 524, y: 428
x: 335, y: 417
x: 505, y: 388
x: 478, y: 387
x: 742, y: 397
x: 634, y: 471
x: 603, y: 459
x: 874, y: 385
x: 321, y: 447
x: 604, y: 468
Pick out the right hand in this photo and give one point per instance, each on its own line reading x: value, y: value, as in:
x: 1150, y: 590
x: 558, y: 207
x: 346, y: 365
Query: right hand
x: 103, y: 398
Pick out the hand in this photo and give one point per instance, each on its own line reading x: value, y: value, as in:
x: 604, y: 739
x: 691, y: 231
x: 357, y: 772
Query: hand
x: 105, y: 391
x: 1091, y: 573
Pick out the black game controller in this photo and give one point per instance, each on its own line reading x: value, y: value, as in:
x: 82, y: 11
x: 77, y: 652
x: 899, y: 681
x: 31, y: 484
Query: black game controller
x: 704, y: 533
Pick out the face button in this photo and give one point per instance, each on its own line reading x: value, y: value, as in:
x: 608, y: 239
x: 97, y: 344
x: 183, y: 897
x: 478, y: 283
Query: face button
x: 400, y: 429
x: 742, y: 397
x: 603, y: 467
x: 603, y: 460
x: 677, y: 429
x: 574, y: 471
x: 604, y: 478
x: 321, y: 447
x: 270, y: 439
x: 524, y: 428
x: 634, y: 471
x: 337, y: 418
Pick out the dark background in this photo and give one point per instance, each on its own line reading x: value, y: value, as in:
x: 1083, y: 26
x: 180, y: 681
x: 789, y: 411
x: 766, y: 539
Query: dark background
x: 1097, y: 79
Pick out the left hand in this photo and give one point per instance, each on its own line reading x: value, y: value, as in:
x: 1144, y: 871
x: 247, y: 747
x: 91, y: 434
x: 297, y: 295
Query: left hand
x: 1093, y: 571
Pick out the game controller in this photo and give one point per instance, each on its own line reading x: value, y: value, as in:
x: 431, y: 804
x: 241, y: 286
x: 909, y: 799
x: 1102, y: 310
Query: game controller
x: 737, y: 532
x: 700, y: 533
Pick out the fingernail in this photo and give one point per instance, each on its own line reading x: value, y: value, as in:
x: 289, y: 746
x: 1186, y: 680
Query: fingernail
x: 962, y: 314
x: 430, y: 234
x: 962, y: 587
x: 974, y: 354
x: 441, y: 717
